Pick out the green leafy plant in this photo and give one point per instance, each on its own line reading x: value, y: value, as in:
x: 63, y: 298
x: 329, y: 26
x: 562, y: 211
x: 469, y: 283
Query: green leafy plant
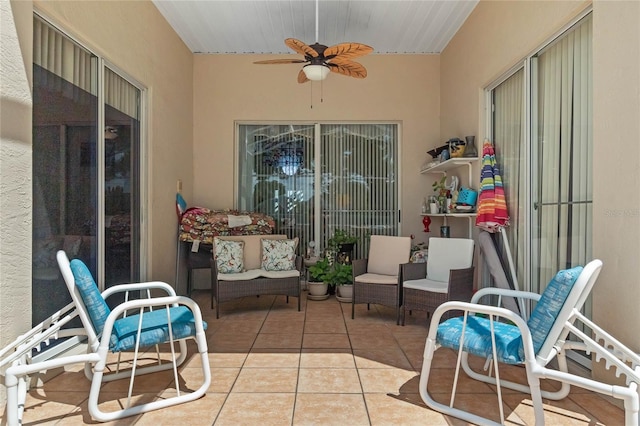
x: 318, y: 272
x: 339, y: 238
x: 439, y: 187
x: 339, y: 274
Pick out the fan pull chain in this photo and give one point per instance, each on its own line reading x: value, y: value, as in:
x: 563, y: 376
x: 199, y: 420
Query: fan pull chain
x: 321, y: 91
x: 311, y: 93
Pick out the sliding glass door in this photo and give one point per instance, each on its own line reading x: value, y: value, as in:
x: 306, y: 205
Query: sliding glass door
x: 86, y: 168
x: 316, y: 178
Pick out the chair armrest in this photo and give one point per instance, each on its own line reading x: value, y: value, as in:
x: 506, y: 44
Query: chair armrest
x: 151, y: 285
x: 359, y: 267
x: 413, y: 271
x: 461, y: 284
x: 504, y: 292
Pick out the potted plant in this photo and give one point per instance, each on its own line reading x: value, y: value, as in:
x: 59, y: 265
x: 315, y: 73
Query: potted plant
x: 440, y: 189
x: 341, y: 245
x: 318, y: 283
x: 341, y: 276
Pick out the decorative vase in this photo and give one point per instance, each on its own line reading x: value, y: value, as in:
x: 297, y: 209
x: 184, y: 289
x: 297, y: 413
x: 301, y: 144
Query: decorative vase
x: 470, y: 150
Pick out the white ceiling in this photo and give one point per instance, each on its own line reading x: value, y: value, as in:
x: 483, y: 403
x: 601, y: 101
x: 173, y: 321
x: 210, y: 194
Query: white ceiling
x: 260, y: 26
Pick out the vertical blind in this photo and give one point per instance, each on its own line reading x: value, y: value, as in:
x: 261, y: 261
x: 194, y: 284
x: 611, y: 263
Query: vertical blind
x: 508, y: 136
x: 563, y: 198
x: 354, y: 179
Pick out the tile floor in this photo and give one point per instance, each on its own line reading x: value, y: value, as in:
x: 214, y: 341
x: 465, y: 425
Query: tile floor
x: 273, y: 365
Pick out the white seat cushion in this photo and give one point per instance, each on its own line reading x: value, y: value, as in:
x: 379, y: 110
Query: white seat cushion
x: 377, y: 279
x: 257, y: 273
x: 425, y: 284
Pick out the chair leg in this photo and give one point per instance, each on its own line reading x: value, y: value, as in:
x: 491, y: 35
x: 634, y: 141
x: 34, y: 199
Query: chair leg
x: 189, y: 284
x: 353, y: 307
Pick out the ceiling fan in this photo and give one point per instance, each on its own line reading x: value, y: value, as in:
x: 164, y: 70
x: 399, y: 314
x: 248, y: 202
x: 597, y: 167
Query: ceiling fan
x: 321, y: 59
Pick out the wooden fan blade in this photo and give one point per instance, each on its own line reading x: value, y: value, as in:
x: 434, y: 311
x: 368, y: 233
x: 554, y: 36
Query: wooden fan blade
x: 302, y: 77
x: 281, y: 61
x: 348, y: 68
x: 300, y: 47
x: 347, y: 50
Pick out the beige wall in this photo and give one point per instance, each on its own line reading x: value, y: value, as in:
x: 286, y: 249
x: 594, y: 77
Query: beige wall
x: 230, y: 87
x: 616, y: 152
x: 495, y: 37
x: 136, y: 37
x: 15, y: 166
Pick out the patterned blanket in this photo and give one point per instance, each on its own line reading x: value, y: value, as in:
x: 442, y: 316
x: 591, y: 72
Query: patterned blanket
x: 200, y: 223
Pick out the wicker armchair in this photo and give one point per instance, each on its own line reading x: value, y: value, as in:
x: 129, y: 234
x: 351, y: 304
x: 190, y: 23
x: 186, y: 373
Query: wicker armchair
x: 447, y: 275
x: 376, y: 278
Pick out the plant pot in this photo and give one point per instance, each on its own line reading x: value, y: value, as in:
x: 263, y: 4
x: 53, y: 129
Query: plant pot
x: 317, y: 288
x: 346, y: 291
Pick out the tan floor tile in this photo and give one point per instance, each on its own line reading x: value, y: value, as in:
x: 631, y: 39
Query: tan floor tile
x: 385, y: 380
x: 371, y: 328
x: 282, y: 327
x: 226, y: 342
x: 484, y: 406
x: 202, y: 411
x: 240, y: 327
x: 329, y: 380
x: 598, y: 408
x: 406, y: 409
x: 156, y: 382
x: 330, y: 409
x: 50, y: 406
x: 441, y: 381
x: 266, y: 380
x: 372, y: 341
x: 563, y: 412
x: 222, y: 379
x: 326, y: 358
x: 265, y: 409
x: 278, y: 341
x: 391, y: 357
x: 271, y: 358
x: 218, y: 359
x: 327, y: 341
x: 322, y: 326
x: 107, y: 403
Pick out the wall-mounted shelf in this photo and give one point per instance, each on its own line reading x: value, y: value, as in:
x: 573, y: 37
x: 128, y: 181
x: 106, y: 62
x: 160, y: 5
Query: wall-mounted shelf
x: 444, y: 167
x: 470, y: 216
x: 450, y: 164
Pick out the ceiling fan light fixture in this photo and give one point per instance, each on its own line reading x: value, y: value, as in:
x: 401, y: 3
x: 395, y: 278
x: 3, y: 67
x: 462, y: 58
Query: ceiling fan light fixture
x: 316, y: 72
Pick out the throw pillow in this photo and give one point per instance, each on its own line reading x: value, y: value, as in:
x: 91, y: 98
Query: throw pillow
x: 229, y: 255
x: 279, y: 255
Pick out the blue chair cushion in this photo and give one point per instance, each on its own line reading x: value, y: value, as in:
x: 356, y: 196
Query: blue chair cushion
x: 97, y: 308
x: 477, y: 339
x: 548, y: 307
x: 155, y: 328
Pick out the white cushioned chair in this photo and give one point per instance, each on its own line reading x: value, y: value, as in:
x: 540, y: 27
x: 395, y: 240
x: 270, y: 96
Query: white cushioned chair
x: 131, y: 326
x: 503, y: 337
x: 447, y: 275
x: 376, y: 278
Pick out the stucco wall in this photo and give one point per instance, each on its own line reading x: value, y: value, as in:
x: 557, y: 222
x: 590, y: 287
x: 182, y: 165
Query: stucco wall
x: 230, y: 87
x: 135, y: 37
x: 15, y: 167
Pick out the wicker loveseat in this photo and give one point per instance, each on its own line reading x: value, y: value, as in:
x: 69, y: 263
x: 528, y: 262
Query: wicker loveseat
x: 253, y: 279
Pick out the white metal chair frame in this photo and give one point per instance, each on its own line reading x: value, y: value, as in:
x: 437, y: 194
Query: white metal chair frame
x: 601, y: 344
x: 18, y: 354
